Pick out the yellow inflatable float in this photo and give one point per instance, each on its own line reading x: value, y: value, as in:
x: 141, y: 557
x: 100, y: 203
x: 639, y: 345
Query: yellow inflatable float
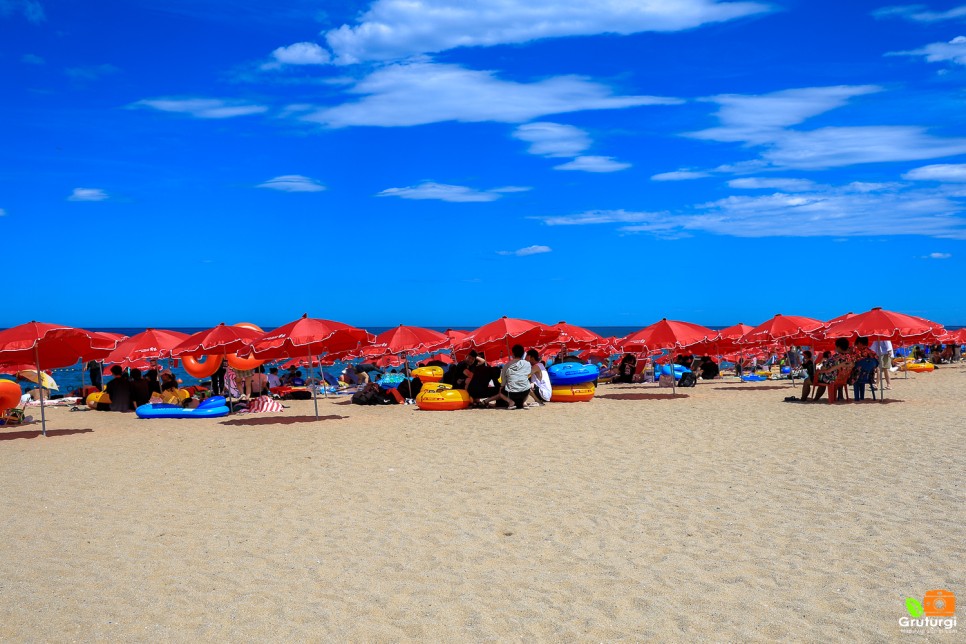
x: 573, y: 393
x: 440, y: 397
x: 429, y: 374
x: 919, y: 367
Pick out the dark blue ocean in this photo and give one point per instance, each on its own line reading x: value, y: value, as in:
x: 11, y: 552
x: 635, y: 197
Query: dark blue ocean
x: 71, y: 378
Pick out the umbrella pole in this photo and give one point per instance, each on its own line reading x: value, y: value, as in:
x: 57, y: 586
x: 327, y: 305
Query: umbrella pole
x: 670, y: 364
x: 315, y: 389
x: 228, y: 389
x: 40, y: 383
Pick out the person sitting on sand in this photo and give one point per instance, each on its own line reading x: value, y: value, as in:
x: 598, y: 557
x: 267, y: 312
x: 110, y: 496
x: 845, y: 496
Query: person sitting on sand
x: 297, y: 380
x: 809, y: 366
x: 708, y: 368
x: 259, y: 383
x: 119, y: 390
x: 837, y: 361
x: 481, y: 380
x: 539, y: 378
x: 273, y: 379
x: 140, y: 389
x: 626, y: 369
x: 515, y: 377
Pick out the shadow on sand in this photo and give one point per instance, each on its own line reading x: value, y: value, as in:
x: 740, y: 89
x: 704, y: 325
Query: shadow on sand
x: 34, y: 433
x: 752, y: 388
x: 641, y: 396
x: 278, y: 420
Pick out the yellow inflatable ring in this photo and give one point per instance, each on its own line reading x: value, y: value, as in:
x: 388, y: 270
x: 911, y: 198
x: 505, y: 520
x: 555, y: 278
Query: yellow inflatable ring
x: 573, y: 393
x: 429, y: 374
x: 442, y: 399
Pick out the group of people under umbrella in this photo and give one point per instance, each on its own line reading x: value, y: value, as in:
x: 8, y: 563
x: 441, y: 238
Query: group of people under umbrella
x: 41, y: 346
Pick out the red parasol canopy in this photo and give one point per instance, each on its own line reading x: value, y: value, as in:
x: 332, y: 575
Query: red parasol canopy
x: 307, y: 336
x: 411, y: 339
x: 441, y: 357
x: 727, y: 341
x: 49, y: 346
x: 886, y: 325
x: 576, y: 337
x: 667, y: 334
x: 221, y: 339
x: 783, y: 328
x: 150, y: 344
x: 495, y: 338
x: 954, y: 337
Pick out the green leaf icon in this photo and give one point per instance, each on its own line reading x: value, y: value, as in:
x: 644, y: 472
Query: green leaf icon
x: 914, y: 607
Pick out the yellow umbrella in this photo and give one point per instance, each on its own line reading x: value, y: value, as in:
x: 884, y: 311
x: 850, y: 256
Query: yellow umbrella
x: 45, y: 380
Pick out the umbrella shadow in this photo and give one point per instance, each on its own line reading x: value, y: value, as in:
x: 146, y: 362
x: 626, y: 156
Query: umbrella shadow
x: 9, y: 436
x: 642, y: 396
x: 752, y: 388
x: 278, y: 420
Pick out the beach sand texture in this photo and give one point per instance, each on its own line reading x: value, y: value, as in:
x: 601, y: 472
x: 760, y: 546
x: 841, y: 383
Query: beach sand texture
x: 722, y: 515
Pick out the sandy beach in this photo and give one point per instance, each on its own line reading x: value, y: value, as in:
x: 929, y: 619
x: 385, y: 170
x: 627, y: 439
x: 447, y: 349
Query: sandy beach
x: 723, y: 514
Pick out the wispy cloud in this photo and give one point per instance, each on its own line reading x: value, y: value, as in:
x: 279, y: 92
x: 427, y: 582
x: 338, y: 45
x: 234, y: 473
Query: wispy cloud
x: 953, y: 172
x: 421, y: 92
x: 680, y: 175
x: 597, y: 217
x: 593, y: 164
x: 3, y: 213
x: 203, y: 108
x: 919, y: 13
x: 293, y: 183
x: 32, y: 10
x: 853, y: 210
x: 553, y: 139
x: 766, y: 121
x: 953, y: 51
x: 91, y: 72
x: 759, y: 183
x: 88, y: 194
x: 396, y: 29
x: 938, y: 256
x: 32, y: 59
x: 446, y: 192
x: 300, y: 53
x: 523, y: 252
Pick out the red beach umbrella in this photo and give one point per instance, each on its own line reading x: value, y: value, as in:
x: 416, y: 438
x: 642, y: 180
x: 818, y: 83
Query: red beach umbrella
x: 495, y: 338
x: 442, y: 357
x: 727, y: 341
x: 411, y: 339
x: 577, y: 337
x: 667, y: 334
x: 222, y: 339
x: 50, y: 346
x: 308, y: 337
x: 886, y: 325
x: 150, y: 344
x: 787, y: 328
x: 954, y: 337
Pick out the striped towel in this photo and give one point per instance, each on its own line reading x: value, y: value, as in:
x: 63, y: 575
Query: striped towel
x: 263, y: 404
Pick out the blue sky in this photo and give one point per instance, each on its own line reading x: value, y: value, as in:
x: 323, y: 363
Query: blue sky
x: 440, y: 162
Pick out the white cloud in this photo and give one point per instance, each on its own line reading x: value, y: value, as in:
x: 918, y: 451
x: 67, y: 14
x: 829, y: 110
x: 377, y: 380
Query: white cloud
x: 765, y: 121
x: 88, y: 194
x: 204, y: 108
x: 32, y: 59
x: 853, y: 210
x: 596, y: 217
x: 680, y: 175
x: 91, y: 72
x: 553, y: 139
x: 3, y: 213
x: 32, y: 10
x: 919, y: 13
x: 300, y: 53
x: 523, y: 252
x: 759, y: 183
x: 955, y: 172
x: 421, y: 92
x: 593, y: 164
x: 293, y: 183
x: 757, y: 119
x: 446, y: 192
x: 396, y: 29
x: 953, y: 51
x: 938, y: 256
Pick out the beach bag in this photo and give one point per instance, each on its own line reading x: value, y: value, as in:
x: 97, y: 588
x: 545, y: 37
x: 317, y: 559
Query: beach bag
x: 687, y: 380
x: 368, y: 396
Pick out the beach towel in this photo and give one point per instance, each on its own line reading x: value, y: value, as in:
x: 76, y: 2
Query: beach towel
x: 261, y: 405
x: 231, y: 384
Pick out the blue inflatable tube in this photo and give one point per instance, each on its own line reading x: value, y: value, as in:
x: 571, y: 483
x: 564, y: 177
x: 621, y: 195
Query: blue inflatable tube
x: 214, y: 407
x: 679, y: 370
x: 572, y: 373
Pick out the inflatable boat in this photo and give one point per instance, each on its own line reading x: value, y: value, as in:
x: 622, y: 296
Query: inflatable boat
x: 214, y: 407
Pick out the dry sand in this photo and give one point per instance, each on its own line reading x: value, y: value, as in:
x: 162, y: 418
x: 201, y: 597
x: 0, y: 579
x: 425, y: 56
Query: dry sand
x: 724, y: 514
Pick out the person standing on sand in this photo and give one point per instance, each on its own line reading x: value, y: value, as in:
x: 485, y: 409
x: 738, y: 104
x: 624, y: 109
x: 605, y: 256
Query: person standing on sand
x: 93, y: 368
